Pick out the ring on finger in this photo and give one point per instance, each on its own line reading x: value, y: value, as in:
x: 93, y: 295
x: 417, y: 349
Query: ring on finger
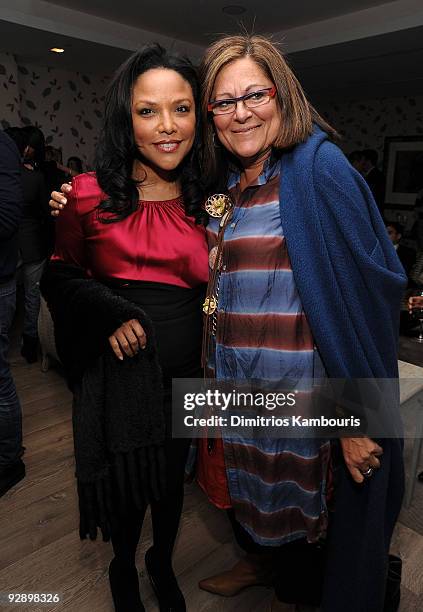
x: 369, y: 472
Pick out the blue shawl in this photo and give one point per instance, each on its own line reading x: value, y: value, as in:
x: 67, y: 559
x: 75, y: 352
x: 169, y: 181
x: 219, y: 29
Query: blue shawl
x: 347, y: 272
x: 350, y: 282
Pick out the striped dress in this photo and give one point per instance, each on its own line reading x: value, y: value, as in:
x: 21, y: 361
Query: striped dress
x: 277, y: 487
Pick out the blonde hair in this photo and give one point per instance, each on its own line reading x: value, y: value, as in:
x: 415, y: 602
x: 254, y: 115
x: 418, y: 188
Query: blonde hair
x: 296, y: 112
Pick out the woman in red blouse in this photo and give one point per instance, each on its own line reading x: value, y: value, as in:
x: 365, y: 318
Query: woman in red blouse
x: 136, y: 226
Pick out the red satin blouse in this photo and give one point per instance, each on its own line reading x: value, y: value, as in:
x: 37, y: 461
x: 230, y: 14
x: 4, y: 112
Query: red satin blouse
x: 158, y: 242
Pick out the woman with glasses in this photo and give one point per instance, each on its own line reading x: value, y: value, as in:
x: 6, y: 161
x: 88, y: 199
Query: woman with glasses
x: 304, y: 284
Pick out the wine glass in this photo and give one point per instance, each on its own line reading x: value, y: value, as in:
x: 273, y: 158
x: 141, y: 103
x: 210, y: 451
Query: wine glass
x: 417, y: 313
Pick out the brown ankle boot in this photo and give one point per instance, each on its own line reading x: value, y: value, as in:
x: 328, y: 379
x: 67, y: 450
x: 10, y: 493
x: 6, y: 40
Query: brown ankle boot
x: 251, y: 570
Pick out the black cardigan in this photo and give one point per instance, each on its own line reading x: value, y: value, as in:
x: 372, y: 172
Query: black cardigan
x: 118, y: 418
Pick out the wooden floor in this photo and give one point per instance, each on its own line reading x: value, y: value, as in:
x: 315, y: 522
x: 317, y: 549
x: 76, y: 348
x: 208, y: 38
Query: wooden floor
x: 39, y: 546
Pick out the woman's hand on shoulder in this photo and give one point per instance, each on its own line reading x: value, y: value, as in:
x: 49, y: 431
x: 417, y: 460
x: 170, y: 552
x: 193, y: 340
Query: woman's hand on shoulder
x: 128, y: 339
x: 359, y: 455
x: 58, y: 199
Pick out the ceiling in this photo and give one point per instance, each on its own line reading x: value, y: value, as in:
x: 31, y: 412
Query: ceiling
x: 203, y: 20
x: 385, y: 64
x: 32, y: 45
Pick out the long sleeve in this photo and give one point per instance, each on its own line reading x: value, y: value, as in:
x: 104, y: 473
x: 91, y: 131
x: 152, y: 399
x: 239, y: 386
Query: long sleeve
x: 11, y: 200
x: 70, y: 240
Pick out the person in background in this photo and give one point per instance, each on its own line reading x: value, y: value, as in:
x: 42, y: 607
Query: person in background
x: 68, y: 170
x: 416, y: 301
x: 75, y: 165
x: 356, y: 160
x: 374, y: 177
x: 54, y: 173
x: 12, y: 468
x: 407, y: 258
x: 406, y: 255
x: 418, y: 225
x: 33, y: 240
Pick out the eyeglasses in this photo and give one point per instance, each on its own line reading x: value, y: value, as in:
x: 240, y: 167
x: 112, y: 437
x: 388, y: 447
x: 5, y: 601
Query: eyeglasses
x: 251, y: 100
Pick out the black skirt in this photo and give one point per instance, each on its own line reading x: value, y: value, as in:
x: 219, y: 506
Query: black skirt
x: 178, y: 319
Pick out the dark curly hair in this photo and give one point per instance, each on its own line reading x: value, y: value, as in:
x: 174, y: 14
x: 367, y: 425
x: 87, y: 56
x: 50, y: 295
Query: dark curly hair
x: 116, y: 149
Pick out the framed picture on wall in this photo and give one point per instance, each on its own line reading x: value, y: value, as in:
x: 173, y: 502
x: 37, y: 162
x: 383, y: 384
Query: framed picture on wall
x: 403, y: 162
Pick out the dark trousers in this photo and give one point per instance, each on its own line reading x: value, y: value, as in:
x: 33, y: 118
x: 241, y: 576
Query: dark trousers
x: 10, y: 409
x: 31, y: 275
x: 297, y: 567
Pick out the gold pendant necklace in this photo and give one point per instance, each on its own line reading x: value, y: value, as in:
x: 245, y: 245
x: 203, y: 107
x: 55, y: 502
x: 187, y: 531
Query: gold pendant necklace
x: 215, y: 261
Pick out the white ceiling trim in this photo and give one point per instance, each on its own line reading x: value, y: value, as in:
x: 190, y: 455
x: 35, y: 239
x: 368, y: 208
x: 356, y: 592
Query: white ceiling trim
x: 382, y: 19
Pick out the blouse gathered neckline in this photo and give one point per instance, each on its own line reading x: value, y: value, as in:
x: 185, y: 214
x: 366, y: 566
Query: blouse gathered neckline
x: 178, y: 200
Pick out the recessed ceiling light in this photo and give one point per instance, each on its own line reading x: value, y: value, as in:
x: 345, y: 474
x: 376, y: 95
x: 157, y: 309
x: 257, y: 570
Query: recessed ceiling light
x: 57, y: 50
x: 234, y: 9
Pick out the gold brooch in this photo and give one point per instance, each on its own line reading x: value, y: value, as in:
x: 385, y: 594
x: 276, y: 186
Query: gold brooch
x: 216, y: 205
x: 210, y: 305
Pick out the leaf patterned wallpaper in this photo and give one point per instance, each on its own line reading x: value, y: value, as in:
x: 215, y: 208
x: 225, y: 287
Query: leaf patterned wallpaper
x: 364, y: 124
x: 66, y: 106
x: 9, y: 91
